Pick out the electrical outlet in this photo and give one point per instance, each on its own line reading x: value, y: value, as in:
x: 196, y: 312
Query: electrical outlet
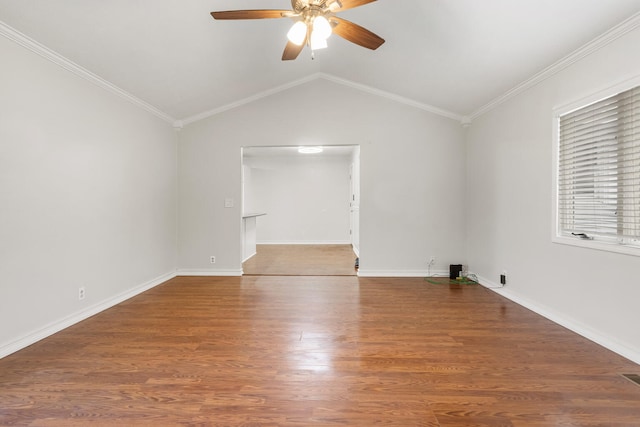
x: 81, y: 293
x: 212, y: 259
x: 503, y: 278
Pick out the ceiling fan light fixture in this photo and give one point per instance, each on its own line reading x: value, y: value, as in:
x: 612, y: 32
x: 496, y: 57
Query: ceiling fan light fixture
x: 298, y: 33
x: 321, y: 27
x: 315, y: 20
x: 318, y: 42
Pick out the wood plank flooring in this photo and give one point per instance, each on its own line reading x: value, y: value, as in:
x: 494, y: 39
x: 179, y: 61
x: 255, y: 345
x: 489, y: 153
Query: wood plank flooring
x: 317, y: 351
x: 302, y: 260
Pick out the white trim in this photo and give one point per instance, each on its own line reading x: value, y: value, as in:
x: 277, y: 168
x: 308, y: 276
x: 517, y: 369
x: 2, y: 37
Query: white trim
x: 331, y: 78
x: 613, y: 34
x: 594, y: 45
x: 564, y: 321
x: 566, y: 108
x: 209, y: 273
x: 35, y: 47
x: 487, y: 283
x: 394, y: 97
x: 401, y: 273
x: 248, y: 100
x: 555, y: 159
x: 597, y: 245
x: 597, y: 95
x: 72, y: 319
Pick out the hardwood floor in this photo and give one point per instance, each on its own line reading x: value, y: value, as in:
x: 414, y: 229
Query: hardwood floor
x: 317, y: 351
x: 302, y: 260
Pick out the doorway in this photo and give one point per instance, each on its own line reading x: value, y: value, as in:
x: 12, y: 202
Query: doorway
x: 307, y: 207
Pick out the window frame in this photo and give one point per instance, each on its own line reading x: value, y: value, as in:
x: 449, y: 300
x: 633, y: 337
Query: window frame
x: 603, y: 244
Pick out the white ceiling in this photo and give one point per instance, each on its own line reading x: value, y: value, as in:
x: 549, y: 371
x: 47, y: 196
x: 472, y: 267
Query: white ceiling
x: 453, y: 55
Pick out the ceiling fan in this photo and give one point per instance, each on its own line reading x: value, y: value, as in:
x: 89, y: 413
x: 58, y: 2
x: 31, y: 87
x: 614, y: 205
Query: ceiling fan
x: 315, y: 22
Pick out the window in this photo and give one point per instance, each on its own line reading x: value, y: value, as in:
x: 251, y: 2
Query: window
x: 598, y: 174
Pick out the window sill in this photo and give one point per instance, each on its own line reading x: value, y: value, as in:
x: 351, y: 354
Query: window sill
x: 598, y: 245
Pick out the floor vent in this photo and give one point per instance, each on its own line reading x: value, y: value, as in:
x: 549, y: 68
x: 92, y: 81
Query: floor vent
x: 634, y: 378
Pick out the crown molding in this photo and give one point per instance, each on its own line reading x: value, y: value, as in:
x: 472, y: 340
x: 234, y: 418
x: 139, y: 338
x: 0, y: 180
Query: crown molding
x: 594, y: 45
x: 248, y: 100
x: 35, y: 47
x: 331, y: 78
x: 394, y: 97
x: 76, y: 69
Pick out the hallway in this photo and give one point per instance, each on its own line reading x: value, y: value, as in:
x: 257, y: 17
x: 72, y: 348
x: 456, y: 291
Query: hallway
x: 301, y: 260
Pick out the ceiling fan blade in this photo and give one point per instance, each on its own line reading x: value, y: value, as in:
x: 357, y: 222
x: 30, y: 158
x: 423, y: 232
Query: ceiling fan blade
x: 356, y: 34
x: 250, y: 14
x: 350, y: 4
x: 291, y: 51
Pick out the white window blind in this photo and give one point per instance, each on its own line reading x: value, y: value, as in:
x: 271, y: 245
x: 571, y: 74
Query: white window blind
x: 599, y: 170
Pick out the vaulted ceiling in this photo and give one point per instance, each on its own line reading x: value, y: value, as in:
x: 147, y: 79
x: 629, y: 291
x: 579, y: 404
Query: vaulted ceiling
x: 453, y: 55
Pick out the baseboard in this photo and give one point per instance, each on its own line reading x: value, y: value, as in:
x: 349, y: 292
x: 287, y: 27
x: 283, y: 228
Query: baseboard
x: 488, y: 283
x: 564, y: 321
x: 401, y: 273
x: 209, y: 272
x: 79, y: 316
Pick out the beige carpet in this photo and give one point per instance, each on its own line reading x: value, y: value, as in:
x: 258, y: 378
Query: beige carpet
x: 302, y: 260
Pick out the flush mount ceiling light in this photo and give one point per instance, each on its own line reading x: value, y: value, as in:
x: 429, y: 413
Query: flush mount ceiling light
x: 315, y: 22
x: 310, y: 150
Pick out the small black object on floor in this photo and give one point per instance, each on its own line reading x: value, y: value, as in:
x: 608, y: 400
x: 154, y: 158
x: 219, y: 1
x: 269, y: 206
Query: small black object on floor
x: 454, y: 271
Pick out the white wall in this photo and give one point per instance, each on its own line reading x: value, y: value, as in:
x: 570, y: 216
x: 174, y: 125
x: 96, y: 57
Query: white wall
x: 509, y: 155
x: 411, y: 200
x: 306, y: 198
x: 87, y: 194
